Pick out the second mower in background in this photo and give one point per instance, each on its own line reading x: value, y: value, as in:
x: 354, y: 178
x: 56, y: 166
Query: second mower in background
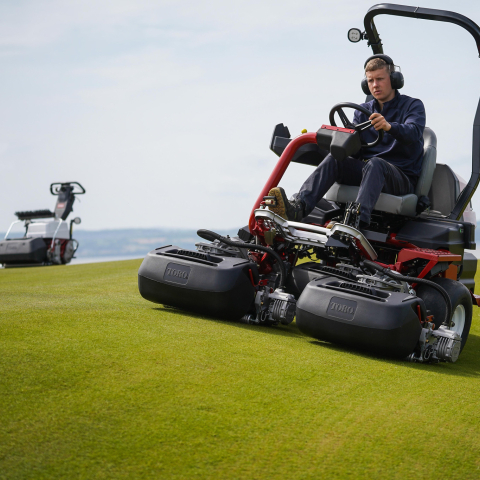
x: 48, y: 236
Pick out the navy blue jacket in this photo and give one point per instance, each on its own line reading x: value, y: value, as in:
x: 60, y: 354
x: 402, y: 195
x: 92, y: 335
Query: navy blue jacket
x: 402, y: 145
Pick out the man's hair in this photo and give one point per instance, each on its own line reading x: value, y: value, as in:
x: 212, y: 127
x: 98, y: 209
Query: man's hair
x: 377, y: 64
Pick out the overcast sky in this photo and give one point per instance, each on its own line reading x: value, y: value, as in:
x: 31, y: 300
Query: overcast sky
x: 163, y: 110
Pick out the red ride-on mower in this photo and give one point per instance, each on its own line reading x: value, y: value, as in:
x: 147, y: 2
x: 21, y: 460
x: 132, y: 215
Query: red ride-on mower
x: 402, y: 288
x: 46, y: 242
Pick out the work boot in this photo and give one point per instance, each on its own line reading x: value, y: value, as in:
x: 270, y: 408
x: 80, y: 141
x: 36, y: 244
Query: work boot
x: 289, y: 210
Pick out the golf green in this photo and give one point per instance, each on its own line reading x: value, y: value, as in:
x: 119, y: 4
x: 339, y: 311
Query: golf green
x: 96, y: 382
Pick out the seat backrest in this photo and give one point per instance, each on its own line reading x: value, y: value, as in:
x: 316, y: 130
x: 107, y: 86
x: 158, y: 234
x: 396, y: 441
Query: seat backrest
x: 65, y: 200
x: 429, y: 161
x: 445, y: 189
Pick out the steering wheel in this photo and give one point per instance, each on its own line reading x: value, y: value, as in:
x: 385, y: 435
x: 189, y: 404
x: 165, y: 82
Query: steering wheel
x: 338, y: 108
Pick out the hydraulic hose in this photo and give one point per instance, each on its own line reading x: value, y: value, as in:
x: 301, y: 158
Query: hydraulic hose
x: 211, y: 236
x: 396, y: 276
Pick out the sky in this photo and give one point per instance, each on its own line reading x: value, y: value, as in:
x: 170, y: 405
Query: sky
x: 164, y: 110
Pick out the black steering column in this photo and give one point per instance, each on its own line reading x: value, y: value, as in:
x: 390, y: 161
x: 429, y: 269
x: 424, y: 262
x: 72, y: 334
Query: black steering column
x: 345, y: 141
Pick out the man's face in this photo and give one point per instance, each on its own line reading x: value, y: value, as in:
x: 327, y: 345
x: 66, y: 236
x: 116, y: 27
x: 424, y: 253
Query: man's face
x: 380, y: 85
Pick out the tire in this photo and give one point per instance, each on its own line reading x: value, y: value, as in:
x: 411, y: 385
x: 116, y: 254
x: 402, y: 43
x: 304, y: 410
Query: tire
x: 461, y: 305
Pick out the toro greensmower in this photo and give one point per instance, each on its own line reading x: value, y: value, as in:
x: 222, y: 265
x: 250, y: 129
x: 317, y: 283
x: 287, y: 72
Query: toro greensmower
x: 402, y: 288
x: 48, y: 236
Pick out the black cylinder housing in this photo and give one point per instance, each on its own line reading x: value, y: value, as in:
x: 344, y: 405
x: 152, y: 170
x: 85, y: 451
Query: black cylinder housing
x: 14, y: 251
x: 351, y: 314
x: 203, y: 283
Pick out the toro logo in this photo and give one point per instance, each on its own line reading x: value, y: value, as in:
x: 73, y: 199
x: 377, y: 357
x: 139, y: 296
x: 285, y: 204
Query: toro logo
x: 341, y: 308
x: 177, y: 273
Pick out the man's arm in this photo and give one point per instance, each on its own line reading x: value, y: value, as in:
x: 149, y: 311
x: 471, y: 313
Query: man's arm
x: 408, y: 132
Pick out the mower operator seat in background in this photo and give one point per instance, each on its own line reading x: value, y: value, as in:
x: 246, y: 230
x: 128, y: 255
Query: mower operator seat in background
x: 64, y: 205
x: 402, y: 205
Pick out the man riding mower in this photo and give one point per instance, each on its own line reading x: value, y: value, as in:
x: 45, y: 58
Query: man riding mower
x: 390, y: 163
x: 385, y: 229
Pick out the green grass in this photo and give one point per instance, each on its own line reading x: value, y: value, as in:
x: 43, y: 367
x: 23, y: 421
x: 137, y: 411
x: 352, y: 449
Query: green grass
x: 96, y: 382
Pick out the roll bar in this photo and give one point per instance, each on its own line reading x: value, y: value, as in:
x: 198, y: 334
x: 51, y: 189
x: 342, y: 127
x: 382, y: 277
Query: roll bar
x: 415, y: 12
x: 375, y: 42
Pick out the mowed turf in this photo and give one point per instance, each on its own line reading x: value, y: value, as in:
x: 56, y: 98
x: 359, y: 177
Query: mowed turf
x: 96, y: 382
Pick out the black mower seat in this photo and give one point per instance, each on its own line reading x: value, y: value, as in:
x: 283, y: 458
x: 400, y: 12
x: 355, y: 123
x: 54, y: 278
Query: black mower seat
x: 401, y: 205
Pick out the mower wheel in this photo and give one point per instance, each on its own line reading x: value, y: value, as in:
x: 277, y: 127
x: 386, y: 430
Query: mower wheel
x: 461, y: 305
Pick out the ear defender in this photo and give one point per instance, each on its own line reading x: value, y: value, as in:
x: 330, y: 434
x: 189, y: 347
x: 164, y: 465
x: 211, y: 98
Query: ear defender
x: 396, y: 78
x: 365, y: 88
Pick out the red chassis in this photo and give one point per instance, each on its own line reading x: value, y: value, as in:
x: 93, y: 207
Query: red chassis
x: 408, y: 253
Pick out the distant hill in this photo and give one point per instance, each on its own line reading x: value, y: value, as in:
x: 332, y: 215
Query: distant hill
x: 130, y: 242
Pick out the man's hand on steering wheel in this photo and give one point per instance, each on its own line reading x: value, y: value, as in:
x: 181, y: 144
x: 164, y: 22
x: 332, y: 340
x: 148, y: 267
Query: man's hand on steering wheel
x: 378, y: 119
x: 379, y: 122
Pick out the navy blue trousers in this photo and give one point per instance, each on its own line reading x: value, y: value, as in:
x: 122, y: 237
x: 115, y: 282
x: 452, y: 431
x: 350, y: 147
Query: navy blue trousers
x: 373, y: 177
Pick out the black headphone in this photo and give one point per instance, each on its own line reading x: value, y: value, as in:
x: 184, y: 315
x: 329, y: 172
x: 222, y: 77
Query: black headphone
x: 396, y: 78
